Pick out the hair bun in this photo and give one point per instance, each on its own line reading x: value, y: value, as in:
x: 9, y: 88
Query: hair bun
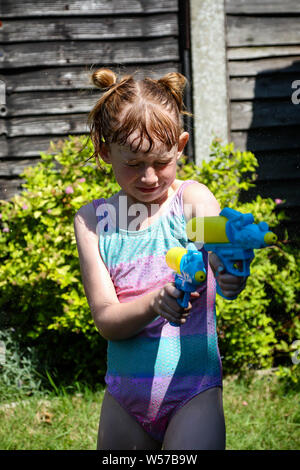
x: 175, y: 82
x: 103, y: 78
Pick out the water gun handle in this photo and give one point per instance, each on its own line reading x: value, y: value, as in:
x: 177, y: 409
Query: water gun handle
x: 220, y: 292
x: 184, y: 301
x: 190, y: 272
x: 229, y: 257
x: 186, y: 289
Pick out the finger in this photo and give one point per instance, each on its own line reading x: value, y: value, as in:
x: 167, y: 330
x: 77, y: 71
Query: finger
x: 179, y: 313
x: 176, y: 306
x: 215, y: 263
x: 231, y: 287
x: 230, y: 279
x: 173, y: 310
x: 173, y: 291
x: 183, y: 318
x: 168, y: 314
x: 174, y: 295
x: 229, y: 294
x: 232, y: 291
x: 195, y: 294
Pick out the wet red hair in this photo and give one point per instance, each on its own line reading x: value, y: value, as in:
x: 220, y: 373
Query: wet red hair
x: 154, y: 108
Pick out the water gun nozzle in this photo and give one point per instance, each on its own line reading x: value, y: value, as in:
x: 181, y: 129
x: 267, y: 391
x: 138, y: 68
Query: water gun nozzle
x: 270, y: 238
x: 200, y: 276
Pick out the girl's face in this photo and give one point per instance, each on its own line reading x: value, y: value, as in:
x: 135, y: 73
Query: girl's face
x: 145, y: 177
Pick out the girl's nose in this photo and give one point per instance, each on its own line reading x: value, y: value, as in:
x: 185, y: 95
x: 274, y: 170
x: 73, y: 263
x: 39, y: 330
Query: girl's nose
x: 149, y: 176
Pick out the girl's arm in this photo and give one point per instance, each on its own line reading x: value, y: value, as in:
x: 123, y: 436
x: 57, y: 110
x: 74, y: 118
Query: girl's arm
x: 115, y: 320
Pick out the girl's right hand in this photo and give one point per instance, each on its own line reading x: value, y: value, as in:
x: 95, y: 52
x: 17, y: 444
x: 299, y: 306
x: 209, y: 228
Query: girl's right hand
x: 164, y: 303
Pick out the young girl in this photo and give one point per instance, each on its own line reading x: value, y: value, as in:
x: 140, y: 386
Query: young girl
x: 164, y: 384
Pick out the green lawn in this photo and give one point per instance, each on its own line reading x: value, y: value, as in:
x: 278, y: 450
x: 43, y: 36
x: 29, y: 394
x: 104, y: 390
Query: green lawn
x: 258, y: 416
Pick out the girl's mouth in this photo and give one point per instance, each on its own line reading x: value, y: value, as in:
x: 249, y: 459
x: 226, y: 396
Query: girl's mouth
x: 148, y: 190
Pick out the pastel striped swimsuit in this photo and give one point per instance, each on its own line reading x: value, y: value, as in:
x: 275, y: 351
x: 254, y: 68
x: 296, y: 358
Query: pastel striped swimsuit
x: 155, y: 372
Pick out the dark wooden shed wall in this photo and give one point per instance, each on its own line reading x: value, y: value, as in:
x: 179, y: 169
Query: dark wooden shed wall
x: 47, y: 48
x: 263, y: 57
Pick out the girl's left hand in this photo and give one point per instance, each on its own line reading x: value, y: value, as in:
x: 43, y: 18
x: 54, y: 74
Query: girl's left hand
x: 230, y: 285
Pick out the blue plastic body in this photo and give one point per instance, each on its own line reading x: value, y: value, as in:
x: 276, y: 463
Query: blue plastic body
x: 244, y: 236
x: 190, y: 264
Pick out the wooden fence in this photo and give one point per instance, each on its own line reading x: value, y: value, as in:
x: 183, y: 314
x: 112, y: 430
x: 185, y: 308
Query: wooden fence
x: 263, y: 57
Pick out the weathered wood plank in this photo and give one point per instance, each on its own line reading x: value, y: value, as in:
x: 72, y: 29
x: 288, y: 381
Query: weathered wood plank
x: 273, y: 165
x: 47, y: 8
x: 265, y: 86
x: 271, y: 138
x: 53, y: 29
x: 261, y: 52
x: 49, y: 103
x: 66, y: 78
x: 263, y: 66
x: 3, y: 129
x: 263, y: 114
x: 10, y: 187
x: 261, y: 7
x: 45, y: 125
x: 30, y: 146
x: 89, y: 52
x: 15, y: 167
x: 262, y: 31
x: 284, y: 190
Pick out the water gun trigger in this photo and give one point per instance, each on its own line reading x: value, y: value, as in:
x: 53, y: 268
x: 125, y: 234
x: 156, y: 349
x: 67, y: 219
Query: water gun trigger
x: 239, y: 268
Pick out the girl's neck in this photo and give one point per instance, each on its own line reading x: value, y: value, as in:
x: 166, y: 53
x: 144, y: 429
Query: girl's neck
x: 159, y: 202
x: 153, y: 209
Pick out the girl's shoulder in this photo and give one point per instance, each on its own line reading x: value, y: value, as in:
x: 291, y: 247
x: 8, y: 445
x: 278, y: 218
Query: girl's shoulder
x: 86, y: 216
x: 111, y: 201
x: 200, y: 199
x: 191, y: 188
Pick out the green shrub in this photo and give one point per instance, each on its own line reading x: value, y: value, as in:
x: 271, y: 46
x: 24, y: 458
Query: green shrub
x: 43, y: 295
x: 42, y: 292
x: 18, y: 376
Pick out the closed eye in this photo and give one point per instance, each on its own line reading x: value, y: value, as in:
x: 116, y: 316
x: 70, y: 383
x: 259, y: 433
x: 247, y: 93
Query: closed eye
x: 133, y: 165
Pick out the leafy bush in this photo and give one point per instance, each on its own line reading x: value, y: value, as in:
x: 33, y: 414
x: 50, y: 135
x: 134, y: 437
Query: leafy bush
x: 18, y: 375
x: 40, y: 275
x: 42, y: 292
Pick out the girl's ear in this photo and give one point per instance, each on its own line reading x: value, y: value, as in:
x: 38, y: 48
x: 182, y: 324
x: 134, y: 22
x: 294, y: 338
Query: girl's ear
x: 105, y: 152
x: 183, y: 140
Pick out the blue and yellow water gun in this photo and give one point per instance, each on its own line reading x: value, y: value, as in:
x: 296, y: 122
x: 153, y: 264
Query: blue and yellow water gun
x: 190, y: 272
x: 232, y: 236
